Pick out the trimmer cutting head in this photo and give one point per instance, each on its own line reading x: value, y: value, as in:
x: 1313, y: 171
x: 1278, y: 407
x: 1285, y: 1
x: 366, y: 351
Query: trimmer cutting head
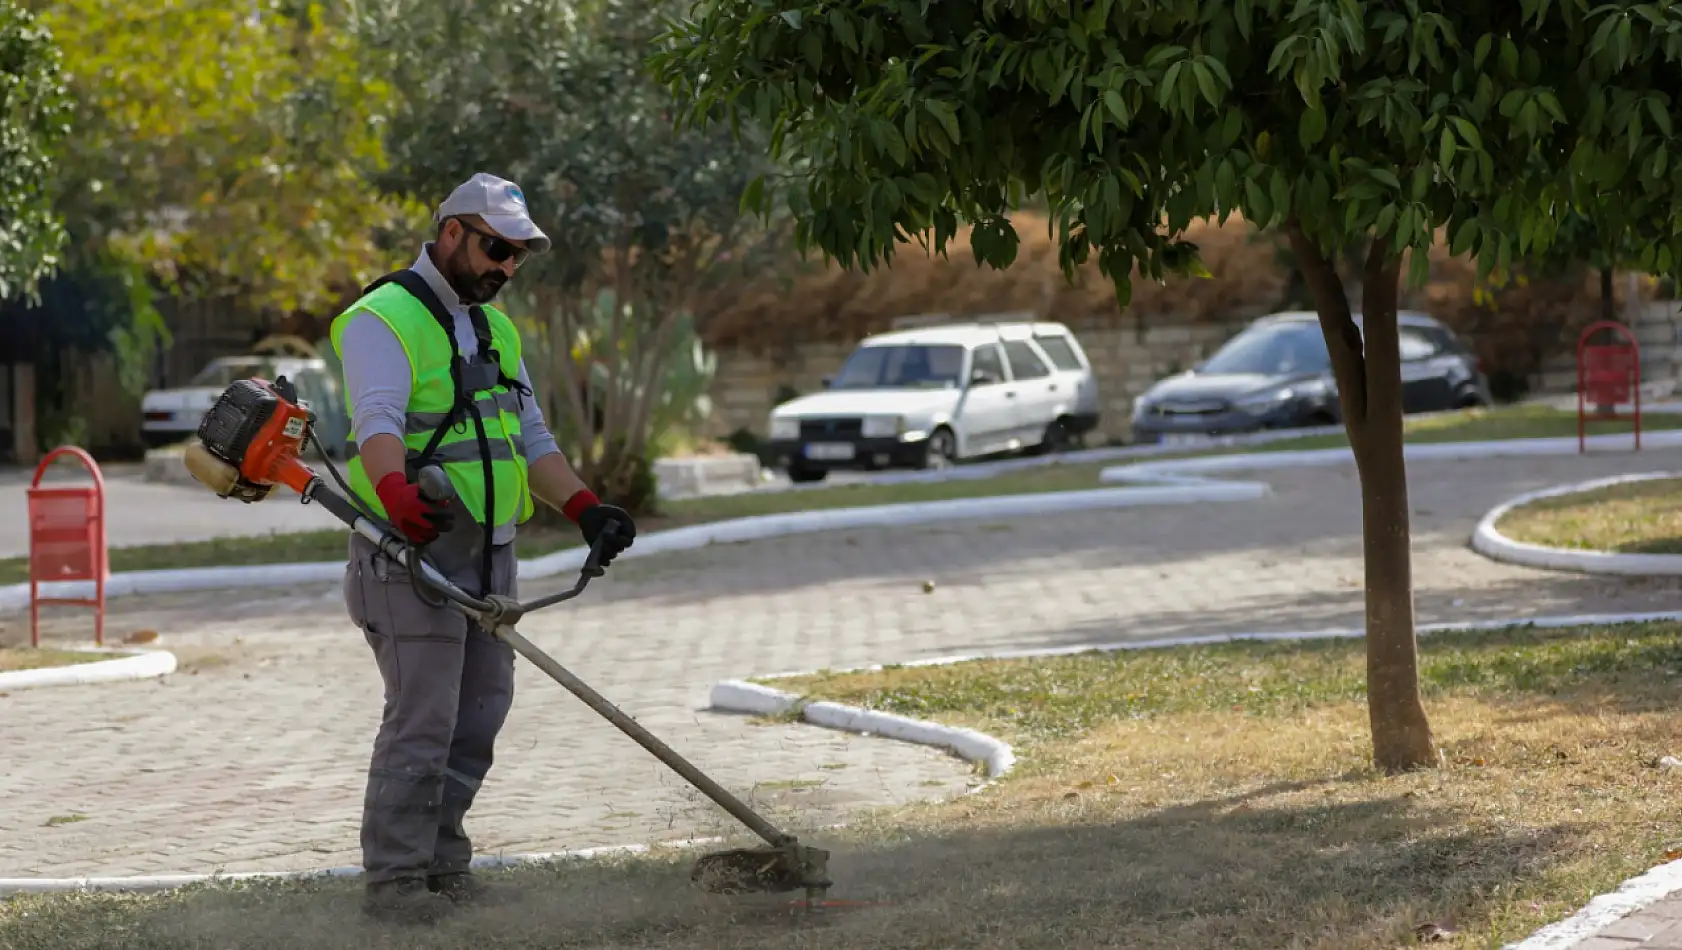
x: 793, y: 867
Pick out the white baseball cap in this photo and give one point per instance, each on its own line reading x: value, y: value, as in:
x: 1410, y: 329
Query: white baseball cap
x: 502, y: 206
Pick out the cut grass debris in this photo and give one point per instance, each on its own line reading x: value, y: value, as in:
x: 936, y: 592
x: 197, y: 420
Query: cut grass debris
x: 1635, y: 518
x: 40, y: 658
x: 1511, y: 422
x: 1213, y: 796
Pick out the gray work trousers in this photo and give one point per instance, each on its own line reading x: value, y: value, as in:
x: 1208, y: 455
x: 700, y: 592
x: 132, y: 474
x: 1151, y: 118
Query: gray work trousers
x: 448, y: 688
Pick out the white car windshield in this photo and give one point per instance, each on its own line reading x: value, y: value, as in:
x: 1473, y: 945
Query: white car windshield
x: 1279, y: 350
x: 222, y: 373
x: 902, y: 367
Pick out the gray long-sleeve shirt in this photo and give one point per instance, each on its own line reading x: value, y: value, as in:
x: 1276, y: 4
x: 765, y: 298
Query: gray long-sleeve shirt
x: 377, y: 375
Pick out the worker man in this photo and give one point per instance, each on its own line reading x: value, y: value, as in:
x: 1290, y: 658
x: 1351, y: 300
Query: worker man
x: 433, y: 375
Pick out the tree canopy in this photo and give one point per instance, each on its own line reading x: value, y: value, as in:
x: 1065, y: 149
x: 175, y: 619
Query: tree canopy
x: 1338, y: 117
x: 34, y: 114
x: 226, y: 148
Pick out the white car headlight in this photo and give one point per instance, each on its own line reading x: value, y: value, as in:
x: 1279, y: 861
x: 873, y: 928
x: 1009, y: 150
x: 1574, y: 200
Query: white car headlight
x: 785, y: 427
x: 1266, y: 399
x: 881, y: 427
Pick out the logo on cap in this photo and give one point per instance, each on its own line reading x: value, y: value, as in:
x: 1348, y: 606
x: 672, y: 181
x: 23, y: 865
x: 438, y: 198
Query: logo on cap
x: 515, y: 193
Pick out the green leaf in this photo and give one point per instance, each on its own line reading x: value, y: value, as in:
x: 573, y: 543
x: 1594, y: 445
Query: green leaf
x: 1169, y: 87
x: 841, y: 22
x: 1661, y: 116
x: 1461, y: 240
x: 1509, y: 56
x: 1445, y: 150
x: 753, y: 196
x: 811, y: 46
x: 1311, y: 128
x: 1386, y: 218
x: 1226, y: 182
x: 1206, y: 83
x: 893, y: 142
x: 1468, y: 132
x: 948, y: 119
x: 1232, y: 126
x: 1386, y: 176
x: 1117, y: 106
x: 1260, y: 210
x: 1481, y: 53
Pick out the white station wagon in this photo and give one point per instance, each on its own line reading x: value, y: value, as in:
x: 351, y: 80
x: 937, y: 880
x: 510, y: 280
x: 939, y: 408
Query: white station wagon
x: 930, y: 396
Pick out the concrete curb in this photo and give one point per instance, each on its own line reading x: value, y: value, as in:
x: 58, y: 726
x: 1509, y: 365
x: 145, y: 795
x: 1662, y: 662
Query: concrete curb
x: 1603, y: 911
x: 1488, y: 540
x: 740, y: 696
x: 162, y: 882
x: 128, y: 665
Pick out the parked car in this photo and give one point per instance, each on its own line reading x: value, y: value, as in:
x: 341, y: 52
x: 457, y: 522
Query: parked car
x: 1277, y: 374
x: 173, y: 415
x: 931, y: 396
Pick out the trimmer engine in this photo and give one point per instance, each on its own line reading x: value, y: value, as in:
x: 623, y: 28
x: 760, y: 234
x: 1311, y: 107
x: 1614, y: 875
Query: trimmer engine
x: 250, y: 441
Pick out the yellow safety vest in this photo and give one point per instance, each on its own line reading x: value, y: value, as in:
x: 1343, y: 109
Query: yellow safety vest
x: 432, y: 395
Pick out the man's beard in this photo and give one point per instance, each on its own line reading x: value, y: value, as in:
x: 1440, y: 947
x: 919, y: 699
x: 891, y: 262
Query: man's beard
x: 472, y: 288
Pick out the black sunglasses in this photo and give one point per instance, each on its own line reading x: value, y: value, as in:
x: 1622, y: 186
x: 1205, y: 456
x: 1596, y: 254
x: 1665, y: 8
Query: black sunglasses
x: 496, y: 247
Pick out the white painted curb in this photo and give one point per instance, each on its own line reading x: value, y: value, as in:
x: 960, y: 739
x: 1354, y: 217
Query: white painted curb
x: 1186, y: 471
x: 159, y: 882
x: 1607, y: 909
x: 1488, y: 540
x: 128, y: 665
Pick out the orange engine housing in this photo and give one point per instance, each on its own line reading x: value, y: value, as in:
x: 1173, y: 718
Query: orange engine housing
x: 258, y: 428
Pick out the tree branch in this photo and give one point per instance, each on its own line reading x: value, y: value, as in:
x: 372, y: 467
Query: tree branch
x: 1343, y: 338
x: 1379, y: 282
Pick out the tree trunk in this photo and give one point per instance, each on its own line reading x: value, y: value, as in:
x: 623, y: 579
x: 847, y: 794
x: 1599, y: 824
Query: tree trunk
x: 1370, y: 393
x: 24, y: 415
x: 1608, y: 308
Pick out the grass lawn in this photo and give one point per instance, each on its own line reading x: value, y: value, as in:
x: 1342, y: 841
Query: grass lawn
x: 1637, y: 518
x: 33, y: 658
x: 1512, y: 422
x: 1207, y: 797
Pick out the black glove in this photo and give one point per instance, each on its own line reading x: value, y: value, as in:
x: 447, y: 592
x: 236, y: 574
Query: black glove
x: 594, y: 519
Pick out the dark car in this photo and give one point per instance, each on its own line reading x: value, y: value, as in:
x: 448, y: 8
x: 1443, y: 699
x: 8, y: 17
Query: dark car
x: 1277, y: 374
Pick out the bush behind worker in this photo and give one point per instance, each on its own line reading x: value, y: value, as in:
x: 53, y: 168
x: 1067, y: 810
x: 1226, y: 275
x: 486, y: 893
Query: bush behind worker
x: 460, y: 399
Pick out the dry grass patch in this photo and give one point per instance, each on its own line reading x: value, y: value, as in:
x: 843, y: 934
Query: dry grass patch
x: 1636, y: 518
x: 40, y: 658
x: 1149, y: 813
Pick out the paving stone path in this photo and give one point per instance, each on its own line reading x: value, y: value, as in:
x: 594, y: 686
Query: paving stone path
x: 251, y: 757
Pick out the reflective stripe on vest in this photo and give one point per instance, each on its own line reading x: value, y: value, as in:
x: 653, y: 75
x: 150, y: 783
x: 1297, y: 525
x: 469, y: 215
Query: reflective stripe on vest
x: 465, y: 450
x: 432, y: 393
x: 489, y: 404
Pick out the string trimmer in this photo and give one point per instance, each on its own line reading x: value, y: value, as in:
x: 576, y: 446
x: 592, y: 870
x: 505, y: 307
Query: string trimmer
x: 250, y: 441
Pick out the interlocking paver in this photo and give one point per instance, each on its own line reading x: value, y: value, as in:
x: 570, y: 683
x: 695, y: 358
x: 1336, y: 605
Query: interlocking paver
x: 251, y: 757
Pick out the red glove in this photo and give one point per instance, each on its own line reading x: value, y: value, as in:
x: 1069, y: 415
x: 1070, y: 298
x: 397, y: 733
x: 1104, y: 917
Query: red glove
x: 419, y: 520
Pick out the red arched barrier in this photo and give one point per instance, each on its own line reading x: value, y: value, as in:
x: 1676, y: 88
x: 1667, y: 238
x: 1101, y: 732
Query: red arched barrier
x: 67, y: 541
x: 1608, y: 374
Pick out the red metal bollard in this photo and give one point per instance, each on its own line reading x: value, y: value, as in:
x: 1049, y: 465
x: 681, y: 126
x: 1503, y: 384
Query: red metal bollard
x: 67, y: 541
